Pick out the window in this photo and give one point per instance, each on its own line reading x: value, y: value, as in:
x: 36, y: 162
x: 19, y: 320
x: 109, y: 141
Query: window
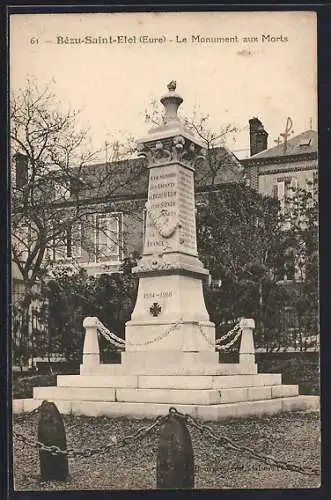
x: 61, y: 191
x: 312, y: 184
x: 68, y: 243
x: 108, y: 228
x: 59, y: 243
x: 286, y: 268
x: 23, y: 240
x: 284, y: 191
x: 305, y: 142
x: 289, y: 267
x: 76, y: 186
x: 290, y: 318
x: 74, y: 240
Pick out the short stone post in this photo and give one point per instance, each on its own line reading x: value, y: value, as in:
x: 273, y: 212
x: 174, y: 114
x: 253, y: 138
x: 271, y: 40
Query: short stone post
x: 175, y: 461
x: 247, y: 350
x: 51, y: 432
x: 91, y: 350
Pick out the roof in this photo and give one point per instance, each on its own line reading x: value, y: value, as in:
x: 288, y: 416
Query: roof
x: 306, y: 142
x: 130, y: 177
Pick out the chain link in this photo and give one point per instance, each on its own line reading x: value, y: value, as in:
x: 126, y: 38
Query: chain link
x: 220, y: 347
x: 144, y: 431
x: 27, y: 414
x: 108, y: 335
x: 88, y: 452
x: 113, y: 339
x: 118, y: 342
x: 232, y: 445
x: 52, y: 449
x: 228, y: 334
x: 229, y: 344
x: 159, y: 337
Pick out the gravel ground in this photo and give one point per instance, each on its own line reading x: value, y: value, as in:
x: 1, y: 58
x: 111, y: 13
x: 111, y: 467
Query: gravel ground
x: 292, y: 437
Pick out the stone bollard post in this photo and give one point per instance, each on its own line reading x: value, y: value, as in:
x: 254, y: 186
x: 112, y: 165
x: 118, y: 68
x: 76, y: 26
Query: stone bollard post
x: 175, y: 461
x: 247, y: 350
x: 91, y: 350
x: 51, y: 431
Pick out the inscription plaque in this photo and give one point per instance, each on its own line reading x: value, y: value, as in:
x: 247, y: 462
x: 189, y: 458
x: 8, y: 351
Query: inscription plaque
x: 171, y: 191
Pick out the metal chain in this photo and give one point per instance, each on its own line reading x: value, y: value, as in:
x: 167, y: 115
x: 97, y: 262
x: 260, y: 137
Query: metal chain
x: 88, y: 452
x: 220, y: 347
x: 118, y: 342
x: 24, y: 415
x: 144, y: 431
x: 228, y: 443
x: 229, y: 344
x: 159, y: 337
x: 228, y: 334
x: 52, y: 449
x: 101, y: 327
x: 110, y: 336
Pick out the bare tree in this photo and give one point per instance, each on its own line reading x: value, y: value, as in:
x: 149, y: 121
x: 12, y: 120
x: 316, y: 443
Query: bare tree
x: 56, y: 184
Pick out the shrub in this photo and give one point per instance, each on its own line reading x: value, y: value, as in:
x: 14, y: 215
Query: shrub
x: 300, y: 368
x: 22, y: 386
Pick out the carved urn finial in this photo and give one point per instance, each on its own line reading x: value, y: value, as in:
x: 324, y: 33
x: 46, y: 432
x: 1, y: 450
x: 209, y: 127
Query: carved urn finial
x: 172, y: 85
x: 171, y: 102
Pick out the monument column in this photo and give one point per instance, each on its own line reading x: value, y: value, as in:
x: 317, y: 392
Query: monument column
x: 170, y: 304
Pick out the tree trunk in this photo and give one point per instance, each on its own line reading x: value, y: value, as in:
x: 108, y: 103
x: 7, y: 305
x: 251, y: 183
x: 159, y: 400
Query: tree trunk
x: 25, y: 335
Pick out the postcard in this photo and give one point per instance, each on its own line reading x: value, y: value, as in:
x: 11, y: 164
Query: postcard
x: 164, y: 239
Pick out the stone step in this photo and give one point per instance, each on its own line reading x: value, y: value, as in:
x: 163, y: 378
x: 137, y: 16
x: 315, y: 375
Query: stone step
x: 168, y: 396
x: 170, y: 381
x: 217, y: 369
x: 152, y: 410
x: 97, y: 381
x: 257, y: 393
x: 74, y: 393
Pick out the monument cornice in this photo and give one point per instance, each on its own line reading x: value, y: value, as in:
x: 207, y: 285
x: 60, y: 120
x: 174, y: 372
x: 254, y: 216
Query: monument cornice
x: 163, y: 133
x: 173, y: 149
x: 172, y: 270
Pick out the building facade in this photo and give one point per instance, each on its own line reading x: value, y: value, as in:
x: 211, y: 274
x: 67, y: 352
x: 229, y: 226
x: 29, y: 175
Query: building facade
x: 292, y: 163
x: 280, y: 171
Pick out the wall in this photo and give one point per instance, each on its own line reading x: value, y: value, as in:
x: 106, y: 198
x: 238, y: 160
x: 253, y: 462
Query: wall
x: 270, y: 175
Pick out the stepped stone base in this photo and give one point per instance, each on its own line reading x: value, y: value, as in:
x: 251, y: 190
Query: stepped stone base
x: 151, y: 410
x: 208, y: 392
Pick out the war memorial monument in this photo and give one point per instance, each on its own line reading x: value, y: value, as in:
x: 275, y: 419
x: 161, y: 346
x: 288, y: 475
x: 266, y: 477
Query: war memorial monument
x: 170, y: 356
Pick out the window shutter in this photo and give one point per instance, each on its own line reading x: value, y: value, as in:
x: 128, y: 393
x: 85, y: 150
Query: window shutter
x: 294, y: 183
x: 76, y: 239
x: 281, y: 194
x: 108, y: 237
x: 60, y: 243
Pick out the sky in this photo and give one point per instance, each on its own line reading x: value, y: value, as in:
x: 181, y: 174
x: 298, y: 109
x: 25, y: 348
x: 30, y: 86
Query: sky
x: 268, y: 69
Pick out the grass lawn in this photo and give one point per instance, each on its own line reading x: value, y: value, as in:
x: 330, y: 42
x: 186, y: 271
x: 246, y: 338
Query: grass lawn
x: 292, y: 437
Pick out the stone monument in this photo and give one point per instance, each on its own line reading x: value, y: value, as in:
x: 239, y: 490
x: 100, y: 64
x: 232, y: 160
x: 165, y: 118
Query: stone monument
x: 170, y: 356
x: 170, y: 294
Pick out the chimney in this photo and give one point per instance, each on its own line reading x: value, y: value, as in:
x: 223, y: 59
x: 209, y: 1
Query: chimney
x: 258, y: 136
x: 21, y: 169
